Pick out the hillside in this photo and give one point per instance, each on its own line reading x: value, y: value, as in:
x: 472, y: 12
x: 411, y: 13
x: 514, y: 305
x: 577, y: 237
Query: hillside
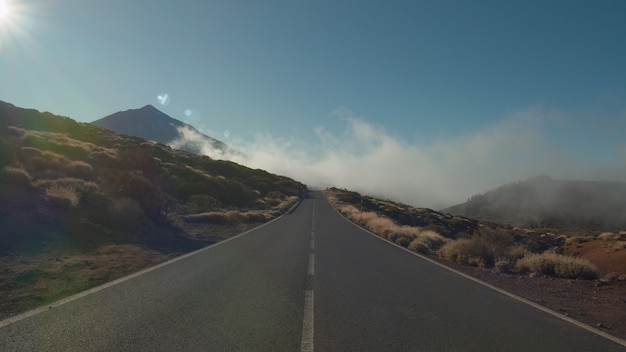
x: 81, y: 205
x: 546, y: 202
x: 153, y: 125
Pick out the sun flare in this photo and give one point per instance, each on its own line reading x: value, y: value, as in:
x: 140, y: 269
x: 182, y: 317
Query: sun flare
x: 4, y: 10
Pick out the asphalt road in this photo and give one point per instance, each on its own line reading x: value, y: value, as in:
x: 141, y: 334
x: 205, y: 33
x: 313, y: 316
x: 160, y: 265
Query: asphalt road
x: 309, y: 281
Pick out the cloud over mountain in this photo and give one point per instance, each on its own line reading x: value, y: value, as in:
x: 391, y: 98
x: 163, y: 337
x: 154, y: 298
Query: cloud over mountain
x: 366, y: 158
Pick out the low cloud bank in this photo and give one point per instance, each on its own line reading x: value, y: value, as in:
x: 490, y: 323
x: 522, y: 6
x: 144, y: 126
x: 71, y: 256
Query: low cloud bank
x: 367, y: 159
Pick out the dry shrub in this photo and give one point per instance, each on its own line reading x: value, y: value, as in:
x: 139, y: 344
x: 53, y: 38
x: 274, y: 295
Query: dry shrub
x: 457, y: 251
x: 380, y: 225
x: 214, y: 217
x: 482, y: 249
x: 426, y: 241
x: 50, y: 156
x: 607, y: 236
x: 15, y: 131
x: 125, y: 211
x: 30, y: 152
x: 504, y: 265
x: 79, y: 168
x: 552, y: 264
x: 79, y: 185
x: 348, y: 211
x: 16, y: 177
x: 618, y: 246
x: 64, y: 195
x: 574, y: 240
x: 516, y: 253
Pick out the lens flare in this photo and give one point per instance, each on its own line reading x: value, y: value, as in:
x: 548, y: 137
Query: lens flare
x: 164, y: 99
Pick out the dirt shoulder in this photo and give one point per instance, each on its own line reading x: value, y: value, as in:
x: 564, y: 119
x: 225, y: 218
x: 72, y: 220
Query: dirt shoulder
x: 597, y: 304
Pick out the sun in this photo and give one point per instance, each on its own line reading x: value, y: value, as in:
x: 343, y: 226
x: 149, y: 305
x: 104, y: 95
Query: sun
x: 4, y: 10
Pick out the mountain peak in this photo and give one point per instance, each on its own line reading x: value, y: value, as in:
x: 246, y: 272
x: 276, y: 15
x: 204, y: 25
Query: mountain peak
x: 148, y: 107
x: 152, y: 124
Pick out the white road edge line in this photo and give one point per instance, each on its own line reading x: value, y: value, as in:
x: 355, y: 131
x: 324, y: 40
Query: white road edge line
x: 30, y: 313
x: 307, y: 323
x: 497, y: 289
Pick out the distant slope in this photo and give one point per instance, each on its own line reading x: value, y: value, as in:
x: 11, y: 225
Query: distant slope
x: 151, y: 124
x: 61, y: 180
x: 545, y: 202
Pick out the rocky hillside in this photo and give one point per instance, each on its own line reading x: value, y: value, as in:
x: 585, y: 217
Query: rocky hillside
x: 63, y: 178
x: 546, y: 202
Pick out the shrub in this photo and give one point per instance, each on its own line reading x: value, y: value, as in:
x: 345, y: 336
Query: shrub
x: 81, y: 186
x: 504, y: 265
x: 380, y: 225
x: 426, y: 241
x: 204, y: 202
x: 607, y: 236
x: 455, y: 251
x: 29, y: 152
x: 516, y: 253
x: 16, y: 177
x: 403, y: 240
x: 79, y: 168
x: 574, y: 240
x: 482, y: 249
x: 63, y: 195
x: 125, y: 211
x: 552, y: 264
x: 275, y: 195
x: 619, y: 245
x: 7, y: 153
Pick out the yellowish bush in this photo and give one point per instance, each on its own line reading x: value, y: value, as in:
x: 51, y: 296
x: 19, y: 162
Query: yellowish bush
x: 380, y: 225
x: 552, y: 264
x: 456, y: 251
x: 607, y: 236
x: 426, y: 241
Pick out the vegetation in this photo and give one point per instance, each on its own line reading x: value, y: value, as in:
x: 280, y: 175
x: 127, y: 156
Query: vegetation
x: 464, y: 241
x: 552, y: 264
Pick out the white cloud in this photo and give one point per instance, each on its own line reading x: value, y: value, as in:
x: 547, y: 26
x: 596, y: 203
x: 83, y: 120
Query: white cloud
x: 365, y: 158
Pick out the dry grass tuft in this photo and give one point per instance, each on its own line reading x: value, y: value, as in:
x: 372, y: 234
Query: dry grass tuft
x: 607, y: 236
x: 16, y: 177
x: 552, y: 264
x: 63, y: 194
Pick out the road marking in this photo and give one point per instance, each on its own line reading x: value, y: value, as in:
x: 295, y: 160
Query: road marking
x: 307, y: 324
x: 311, y: 270
x: 312, y: 243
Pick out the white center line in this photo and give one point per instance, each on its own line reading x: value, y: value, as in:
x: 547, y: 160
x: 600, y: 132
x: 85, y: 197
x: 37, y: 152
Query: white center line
x: 307, y: 327
x: 306, y: 345
x: 311, y: 270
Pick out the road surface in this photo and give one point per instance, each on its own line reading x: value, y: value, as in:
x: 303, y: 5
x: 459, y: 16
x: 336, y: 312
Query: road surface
x: 309, y: 281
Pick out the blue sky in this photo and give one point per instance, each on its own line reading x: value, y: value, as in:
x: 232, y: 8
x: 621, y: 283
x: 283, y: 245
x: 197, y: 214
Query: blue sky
x: 426, y: 102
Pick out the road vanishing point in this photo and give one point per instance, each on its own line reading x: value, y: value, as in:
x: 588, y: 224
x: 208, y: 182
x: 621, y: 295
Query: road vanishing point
x: 307, y: 281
